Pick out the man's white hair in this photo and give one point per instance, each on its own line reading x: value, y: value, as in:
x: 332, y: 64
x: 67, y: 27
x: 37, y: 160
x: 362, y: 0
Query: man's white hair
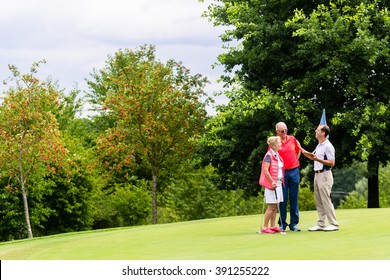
x: 278, y: 124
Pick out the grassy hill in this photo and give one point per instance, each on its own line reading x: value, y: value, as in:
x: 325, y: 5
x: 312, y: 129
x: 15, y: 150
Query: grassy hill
x: 364, y: 235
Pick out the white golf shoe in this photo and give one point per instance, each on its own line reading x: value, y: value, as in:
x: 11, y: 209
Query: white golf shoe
x: 331, y: 228
x: 316, y: 228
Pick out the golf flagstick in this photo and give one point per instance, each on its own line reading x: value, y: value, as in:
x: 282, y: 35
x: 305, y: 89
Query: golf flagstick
x: 262, y: 215
x: 277, y: 203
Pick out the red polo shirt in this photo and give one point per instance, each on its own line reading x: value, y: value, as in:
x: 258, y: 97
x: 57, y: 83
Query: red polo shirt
x: 289, y: 152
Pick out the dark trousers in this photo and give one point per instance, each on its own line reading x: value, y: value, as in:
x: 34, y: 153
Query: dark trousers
x: 290, y: 194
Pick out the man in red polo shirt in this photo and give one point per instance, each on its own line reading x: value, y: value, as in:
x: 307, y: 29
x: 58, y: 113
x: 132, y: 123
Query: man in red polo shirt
x: 290, y: 153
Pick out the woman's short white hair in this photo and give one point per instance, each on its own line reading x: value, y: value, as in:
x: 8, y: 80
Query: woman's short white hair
x: 273, y: 140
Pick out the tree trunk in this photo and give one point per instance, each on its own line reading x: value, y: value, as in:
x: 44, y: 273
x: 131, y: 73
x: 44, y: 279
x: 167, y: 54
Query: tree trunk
x: 24, y: 192
x: 26, y: 212
x: 154, y: 199
x: 373, y: 182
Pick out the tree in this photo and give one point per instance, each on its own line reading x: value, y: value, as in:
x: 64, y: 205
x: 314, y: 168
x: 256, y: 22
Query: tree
x: 155, y: 110
x: 314, y: 55
x: 235, y: 139
x: 346, y: 49
x: 262, y: 56
x: 30, y: 141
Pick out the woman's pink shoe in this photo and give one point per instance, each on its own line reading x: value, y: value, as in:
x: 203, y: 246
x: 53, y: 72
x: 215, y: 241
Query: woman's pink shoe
x: 276, y: 229
x: 267, y: 230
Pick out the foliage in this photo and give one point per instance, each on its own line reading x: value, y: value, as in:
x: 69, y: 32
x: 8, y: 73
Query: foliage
x: 236, y: 139
x: 306, y: 198
x: 358, y: 197
x: 59, y: 201
x: 129, y: 205
x: 194, y: 196
x: 353, y: 201
x: 351, y: 72
x: 70, y: 107
x: 57, y: 204
x: 73, y: 190
x: 262, y: 56
x: 30, y: 142
x: 155, y: 110
x: 315, y: 55
x: 345, y: 180
x: 70, y: 203
x: 11, y: 216
x: 384, y: 186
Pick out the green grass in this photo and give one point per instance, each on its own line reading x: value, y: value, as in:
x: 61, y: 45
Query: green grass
x: 364, y: 235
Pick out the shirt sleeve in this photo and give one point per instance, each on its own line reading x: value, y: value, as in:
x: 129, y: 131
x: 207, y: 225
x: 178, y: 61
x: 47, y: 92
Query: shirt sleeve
x: 267, y: 158
x: 297, y: 150
x: 330, y: 153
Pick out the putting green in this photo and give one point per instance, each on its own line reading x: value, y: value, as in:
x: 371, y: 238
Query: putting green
x: 364, y: 235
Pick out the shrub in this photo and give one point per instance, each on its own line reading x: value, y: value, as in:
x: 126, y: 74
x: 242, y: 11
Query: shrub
x: 357, y: 198
x: 306, y: 200
x: 354, y: 200
x: 194, y: 196
x: 12, y: 222
x: 128, y: 205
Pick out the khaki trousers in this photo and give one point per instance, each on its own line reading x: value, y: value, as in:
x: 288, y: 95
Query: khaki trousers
x: 323, y: 183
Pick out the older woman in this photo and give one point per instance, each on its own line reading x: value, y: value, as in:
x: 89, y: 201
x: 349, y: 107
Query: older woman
x: 271, y: 178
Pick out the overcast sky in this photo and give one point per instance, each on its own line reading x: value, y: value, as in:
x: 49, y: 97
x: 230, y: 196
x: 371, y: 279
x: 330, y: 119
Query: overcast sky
x: 76, y: 36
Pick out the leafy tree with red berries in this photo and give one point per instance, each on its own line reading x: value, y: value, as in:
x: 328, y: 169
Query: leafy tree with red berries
x: 31, y: 146
x: 155, y: 110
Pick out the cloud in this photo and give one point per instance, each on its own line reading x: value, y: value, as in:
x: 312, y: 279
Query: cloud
x: 76, y: 36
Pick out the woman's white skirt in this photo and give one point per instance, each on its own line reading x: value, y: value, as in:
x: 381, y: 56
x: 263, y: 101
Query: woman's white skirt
x: 270, y: 196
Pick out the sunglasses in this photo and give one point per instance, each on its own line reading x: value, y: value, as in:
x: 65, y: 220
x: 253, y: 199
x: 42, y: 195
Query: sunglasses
x: 283, y: 131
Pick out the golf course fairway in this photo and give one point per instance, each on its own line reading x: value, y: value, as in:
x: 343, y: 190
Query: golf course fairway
x: 364, y: 235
